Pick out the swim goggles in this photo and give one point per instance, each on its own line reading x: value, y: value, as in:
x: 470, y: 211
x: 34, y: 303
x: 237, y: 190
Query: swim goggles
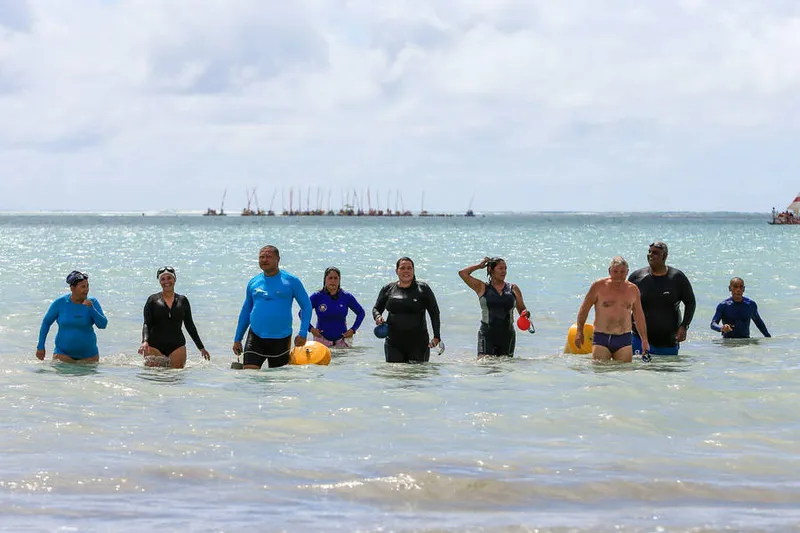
x: 167, y: 269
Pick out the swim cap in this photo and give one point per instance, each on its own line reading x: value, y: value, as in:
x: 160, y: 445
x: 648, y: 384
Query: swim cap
x: 75, y: 277
x: 382, y: 331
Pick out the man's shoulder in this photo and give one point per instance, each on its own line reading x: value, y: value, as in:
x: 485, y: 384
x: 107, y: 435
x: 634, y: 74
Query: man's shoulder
x: 285, y: 274
x: 673, y: 272
x: 638, y: 274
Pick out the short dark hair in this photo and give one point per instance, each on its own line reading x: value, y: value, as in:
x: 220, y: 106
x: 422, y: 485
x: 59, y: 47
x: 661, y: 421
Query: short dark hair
x: 271, y: 247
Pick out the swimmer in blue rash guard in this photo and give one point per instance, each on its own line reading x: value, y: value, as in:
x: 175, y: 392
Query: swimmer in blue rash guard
x: 76, y: 315
x: 331, y: 304
x: 267, y: 311
x: 733, y: 315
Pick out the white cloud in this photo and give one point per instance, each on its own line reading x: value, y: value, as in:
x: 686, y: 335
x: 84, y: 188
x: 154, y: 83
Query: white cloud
x: 161, y: 104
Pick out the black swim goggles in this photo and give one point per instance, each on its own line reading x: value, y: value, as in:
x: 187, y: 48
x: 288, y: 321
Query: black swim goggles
x: 75, y: 277
x: 167, y: 269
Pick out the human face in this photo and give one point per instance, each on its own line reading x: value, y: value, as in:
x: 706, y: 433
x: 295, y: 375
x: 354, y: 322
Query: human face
x: 405, y: 272
x: 499, y: 271
x: 167, y: 281
x: 332, y: 282
x: 618, y: 273
x: 656, y: 256
x: 737, y: 290
x: 80, y: 290
x: 268, y: 260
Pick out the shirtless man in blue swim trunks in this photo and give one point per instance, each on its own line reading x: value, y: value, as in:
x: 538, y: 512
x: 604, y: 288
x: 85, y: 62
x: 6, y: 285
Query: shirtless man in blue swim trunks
x: 614, y: 299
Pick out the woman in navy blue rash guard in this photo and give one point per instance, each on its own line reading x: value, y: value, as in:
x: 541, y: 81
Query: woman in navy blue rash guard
x: 332, y: 303
x: 76, y: 315
x: 406, y: 300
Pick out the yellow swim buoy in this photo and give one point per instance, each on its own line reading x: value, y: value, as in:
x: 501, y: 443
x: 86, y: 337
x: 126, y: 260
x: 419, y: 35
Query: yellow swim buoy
x: 311, y: 353
x: 586, y: 346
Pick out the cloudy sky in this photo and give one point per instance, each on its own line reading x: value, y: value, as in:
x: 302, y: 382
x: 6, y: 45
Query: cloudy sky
x: 512, y: 105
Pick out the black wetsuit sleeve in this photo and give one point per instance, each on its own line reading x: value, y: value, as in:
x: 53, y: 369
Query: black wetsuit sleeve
x: 689, y: 302
x: 380, y: 303
x: 148, y: 319
x: 188, y: 322
x: 433, y: 310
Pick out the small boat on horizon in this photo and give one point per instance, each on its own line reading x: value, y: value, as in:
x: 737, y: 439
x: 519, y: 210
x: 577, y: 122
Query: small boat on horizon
x: 213, y: 212
x: 789, y: 217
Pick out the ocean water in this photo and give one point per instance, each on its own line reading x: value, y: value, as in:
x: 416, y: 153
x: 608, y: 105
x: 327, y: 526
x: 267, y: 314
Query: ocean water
x: 706, y: 441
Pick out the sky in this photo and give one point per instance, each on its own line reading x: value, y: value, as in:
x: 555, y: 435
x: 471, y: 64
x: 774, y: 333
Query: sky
x: 528, y: 105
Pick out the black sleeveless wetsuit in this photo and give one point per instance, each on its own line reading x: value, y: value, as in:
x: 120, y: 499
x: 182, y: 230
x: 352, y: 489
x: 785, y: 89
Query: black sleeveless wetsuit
x: 408, y: 331
x: 496, y: 335
x: 162, y: 324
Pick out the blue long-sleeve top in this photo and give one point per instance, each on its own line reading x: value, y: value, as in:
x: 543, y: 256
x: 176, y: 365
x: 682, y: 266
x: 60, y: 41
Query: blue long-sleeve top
x: 332, y: 313
x: 267, y: 307
x: 738, y: 315
x: 76, y: 337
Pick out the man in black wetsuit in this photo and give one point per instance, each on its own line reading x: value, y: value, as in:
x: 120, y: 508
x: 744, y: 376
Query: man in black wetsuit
x: 663, y: 288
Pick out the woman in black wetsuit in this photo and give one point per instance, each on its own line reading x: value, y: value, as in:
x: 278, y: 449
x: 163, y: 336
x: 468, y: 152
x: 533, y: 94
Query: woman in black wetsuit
x: 165, y: 312
x: 498, y: 299
x: 406, y: 300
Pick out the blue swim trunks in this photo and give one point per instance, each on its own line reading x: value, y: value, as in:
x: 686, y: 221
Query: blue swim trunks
x: 610, y: 341
x: 654, y: 350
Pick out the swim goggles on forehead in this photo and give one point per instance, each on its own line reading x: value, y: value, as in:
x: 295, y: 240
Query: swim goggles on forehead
x: 75, y: 277
x: 167, y: 269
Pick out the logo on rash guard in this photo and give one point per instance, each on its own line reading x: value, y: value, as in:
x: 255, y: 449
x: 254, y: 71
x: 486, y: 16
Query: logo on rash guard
x: 323, y: 308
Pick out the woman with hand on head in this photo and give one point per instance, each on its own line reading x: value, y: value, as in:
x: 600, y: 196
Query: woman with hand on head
x: 407, y: 300
x: 331, y: 304
x: 165, y: 312
x: 76, y: 315
x: 498, y: 299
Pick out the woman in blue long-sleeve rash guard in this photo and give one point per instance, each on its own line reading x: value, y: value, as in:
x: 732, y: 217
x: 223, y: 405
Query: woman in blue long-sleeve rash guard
x: 76, y: 315
x: 331, y: 304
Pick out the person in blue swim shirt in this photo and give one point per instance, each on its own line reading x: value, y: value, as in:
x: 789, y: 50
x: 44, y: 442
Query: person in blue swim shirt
x: 267, y: 311
x: 734, y: 314
x: 76, y: 315
x: 331, y: 304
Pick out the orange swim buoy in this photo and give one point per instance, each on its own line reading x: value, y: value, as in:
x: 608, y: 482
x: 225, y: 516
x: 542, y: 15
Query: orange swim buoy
x: 586, y: 346
x: 311, y: 353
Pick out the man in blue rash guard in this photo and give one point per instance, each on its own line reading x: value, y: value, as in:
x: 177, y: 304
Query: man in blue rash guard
x: 332, y: 304
x: 733, y: 315
x: 267, y: 311
x: 76, y: 314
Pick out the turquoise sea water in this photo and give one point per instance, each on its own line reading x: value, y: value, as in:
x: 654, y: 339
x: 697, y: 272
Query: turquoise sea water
x: 706, y: 441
